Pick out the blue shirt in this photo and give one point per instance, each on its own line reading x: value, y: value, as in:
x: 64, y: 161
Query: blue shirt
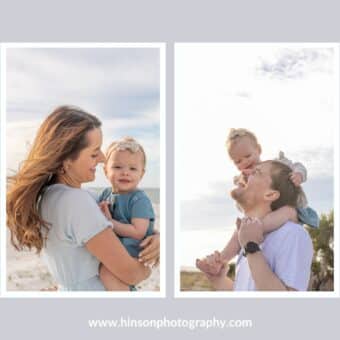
x: 125, y: 207
x: 74, y: 218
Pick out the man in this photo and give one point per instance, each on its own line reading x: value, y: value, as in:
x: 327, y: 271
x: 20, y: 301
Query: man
x: 282, y: 261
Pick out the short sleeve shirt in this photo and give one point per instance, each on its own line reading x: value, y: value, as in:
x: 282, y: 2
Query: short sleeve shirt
x: 74, y: 218
x: 125, y: 207
x: 288, y: 252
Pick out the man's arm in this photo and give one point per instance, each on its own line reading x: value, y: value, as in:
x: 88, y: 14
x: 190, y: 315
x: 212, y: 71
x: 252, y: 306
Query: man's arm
x: 293, y: 261
x: 262, y: 275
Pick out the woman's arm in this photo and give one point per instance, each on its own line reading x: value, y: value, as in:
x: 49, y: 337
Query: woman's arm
x: 107, y: 248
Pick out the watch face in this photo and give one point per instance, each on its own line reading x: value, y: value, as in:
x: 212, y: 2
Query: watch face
x: 252, y: 247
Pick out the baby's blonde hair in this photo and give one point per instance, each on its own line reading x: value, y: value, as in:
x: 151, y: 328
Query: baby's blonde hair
x: 235, y: 134
x: 126, y: 143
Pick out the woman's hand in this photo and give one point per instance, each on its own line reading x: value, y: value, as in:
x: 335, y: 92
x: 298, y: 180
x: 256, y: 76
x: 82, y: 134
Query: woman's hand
x: 150, y: 254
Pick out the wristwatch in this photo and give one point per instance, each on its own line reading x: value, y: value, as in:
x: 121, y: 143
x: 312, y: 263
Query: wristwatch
x: 251, y: 248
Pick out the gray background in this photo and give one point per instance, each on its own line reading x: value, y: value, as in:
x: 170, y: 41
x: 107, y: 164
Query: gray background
x: 172, y: 21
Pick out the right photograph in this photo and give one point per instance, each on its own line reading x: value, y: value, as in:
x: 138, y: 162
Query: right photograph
x: 256, y: 166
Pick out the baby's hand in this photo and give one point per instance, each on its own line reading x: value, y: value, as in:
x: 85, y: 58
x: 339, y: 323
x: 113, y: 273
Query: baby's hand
x: 296, y: 178
x: 211, y: 264
x: 104, y: 207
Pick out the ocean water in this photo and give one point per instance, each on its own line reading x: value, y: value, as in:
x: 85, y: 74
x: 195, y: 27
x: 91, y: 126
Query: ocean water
x: 152, y: 193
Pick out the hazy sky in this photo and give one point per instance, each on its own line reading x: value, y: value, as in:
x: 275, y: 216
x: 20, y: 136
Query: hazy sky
x: 119, y: 85
x: 285, y: 95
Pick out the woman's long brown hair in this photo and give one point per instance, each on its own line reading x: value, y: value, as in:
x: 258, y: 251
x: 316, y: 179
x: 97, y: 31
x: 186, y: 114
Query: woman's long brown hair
x: 60, y: 137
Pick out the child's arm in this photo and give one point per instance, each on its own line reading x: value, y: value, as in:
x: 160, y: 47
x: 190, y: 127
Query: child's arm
x: 299, y: 174
x: 136, y: 230
x: 275, y: 219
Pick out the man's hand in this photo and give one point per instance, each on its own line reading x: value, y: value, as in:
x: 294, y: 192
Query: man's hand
x: 251, y: 229
x: 296, y: 178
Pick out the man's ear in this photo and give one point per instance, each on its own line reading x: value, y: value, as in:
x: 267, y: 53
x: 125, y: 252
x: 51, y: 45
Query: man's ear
x: 272, y: 195
x: 104, y: 167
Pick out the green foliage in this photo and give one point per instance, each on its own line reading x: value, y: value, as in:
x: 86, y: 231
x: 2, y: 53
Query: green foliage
x: 322, y: 277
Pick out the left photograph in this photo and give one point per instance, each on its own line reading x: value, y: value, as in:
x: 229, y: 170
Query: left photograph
x: 83, y: 167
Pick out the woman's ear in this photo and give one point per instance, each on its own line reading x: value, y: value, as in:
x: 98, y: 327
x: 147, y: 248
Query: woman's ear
x: 272, y: 195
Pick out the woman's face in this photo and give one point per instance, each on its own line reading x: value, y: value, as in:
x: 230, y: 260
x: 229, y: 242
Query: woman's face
x: 83, y: 169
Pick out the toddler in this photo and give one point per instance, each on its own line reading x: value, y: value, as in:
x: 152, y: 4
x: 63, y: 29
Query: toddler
x: 245, y: 151
x: 129, y: 208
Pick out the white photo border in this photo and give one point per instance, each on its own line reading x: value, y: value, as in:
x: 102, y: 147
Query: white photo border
x: 177, y: 142
x: 162, y: 116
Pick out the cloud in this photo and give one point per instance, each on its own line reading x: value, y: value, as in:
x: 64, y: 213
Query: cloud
x: 296, y: 63
x: 113, y: 82
x: 119, y: 85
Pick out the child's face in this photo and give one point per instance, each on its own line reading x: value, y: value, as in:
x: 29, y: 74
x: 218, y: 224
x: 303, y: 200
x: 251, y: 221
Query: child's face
x: 124, y: 170
x: 245, y: 153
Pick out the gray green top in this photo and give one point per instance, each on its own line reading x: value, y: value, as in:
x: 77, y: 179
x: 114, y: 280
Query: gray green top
x: 74, y: 218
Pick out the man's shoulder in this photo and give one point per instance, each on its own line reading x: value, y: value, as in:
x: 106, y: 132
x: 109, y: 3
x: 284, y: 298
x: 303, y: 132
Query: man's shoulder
x: 289, y: 230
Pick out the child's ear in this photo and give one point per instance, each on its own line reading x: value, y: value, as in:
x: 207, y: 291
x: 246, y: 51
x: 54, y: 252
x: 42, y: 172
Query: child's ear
x: 259, y: 148
x: 272, y: 195
x: 143, y: 172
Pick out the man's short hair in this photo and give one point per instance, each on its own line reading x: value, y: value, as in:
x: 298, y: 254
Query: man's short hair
x: 289, y: 193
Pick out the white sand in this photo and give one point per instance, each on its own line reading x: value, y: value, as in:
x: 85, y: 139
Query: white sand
x: 26, y: 271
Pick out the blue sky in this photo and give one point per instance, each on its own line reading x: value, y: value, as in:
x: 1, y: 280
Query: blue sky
x: 119, y: 85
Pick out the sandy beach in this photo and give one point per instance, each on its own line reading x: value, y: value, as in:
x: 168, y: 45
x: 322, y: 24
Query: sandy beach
x: 26, y: 271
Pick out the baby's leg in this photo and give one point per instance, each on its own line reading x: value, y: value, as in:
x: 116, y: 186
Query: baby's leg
x: 275, y: 219
x: 231, y: 249
x: 111, y: 282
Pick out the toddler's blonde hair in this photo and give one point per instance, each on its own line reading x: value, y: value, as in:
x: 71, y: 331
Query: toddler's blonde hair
x: 126, y: 143
x: 235, y: 134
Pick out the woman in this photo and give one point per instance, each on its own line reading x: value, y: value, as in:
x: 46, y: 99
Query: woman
x: 47, y: 209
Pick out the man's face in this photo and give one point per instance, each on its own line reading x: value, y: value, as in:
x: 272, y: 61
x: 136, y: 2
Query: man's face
x: 255, y: 189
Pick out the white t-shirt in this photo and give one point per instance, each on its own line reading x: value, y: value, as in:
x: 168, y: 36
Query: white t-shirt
x: 288, y: 251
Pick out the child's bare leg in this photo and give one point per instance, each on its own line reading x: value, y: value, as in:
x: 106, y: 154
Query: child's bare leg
x: 275, y: 219
x: 111, y: 282
x: 231, y: 249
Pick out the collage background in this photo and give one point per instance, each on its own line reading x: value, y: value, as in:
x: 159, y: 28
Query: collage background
x: 175, y: 21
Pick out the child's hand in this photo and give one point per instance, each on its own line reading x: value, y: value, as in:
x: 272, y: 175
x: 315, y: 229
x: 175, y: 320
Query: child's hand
x: 104, y: 207
x: 211, y: 264
x: 296, y: 178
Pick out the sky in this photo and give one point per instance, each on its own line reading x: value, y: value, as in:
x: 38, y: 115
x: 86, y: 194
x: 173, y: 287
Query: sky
x: 286, y: 95
x: 119, y: 85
